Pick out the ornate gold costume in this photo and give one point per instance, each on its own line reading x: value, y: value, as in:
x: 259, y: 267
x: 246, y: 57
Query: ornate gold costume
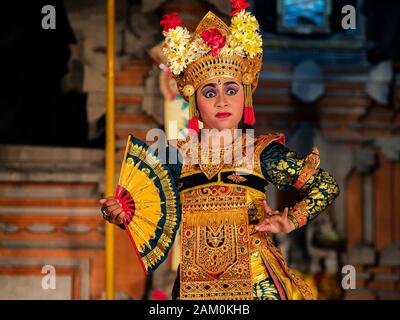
x: 222, y: 255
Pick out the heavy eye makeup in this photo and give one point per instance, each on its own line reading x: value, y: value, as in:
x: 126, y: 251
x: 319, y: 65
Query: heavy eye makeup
x: 231, y: 90
x: 209, y: 90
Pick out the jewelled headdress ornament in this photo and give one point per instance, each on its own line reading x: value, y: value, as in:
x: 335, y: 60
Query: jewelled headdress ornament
x: 214, y: 50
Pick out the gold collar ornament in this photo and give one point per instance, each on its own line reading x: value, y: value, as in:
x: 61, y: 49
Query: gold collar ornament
x: 214, y: 50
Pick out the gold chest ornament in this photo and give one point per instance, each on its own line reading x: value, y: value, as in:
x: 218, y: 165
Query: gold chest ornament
x: 215, y: 230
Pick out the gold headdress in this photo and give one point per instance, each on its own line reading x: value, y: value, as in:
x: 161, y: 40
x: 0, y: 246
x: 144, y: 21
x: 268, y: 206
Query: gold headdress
x: 214, y: 50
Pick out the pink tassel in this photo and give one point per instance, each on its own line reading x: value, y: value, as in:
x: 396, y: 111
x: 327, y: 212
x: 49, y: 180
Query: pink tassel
x: 194, y: 124
x: 249, y: 117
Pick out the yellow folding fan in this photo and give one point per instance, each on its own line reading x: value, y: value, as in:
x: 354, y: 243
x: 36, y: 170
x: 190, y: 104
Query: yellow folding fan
x: 148, y: 194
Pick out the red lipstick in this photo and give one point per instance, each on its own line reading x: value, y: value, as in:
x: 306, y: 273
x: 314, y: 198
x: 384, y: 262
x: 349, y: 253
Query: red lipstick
x: 223, y: 115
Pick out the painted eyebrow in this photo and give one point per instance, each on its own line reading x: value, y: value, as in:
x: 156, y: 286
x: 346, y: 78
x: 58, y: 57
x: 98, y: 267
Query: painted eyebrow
x: 230, y: 82
x: 214, y: 85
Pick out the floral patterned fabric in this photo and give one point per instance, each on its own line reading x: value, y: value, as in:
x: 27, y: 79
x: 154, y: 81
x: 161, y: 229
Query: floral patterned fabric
x: 282, y: 167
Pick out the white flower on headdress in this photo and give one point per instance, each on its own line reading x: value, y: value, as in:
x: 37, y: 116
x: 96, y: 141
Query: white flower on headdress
x: 177, y: 38
x: 233, y: 47
x: 176, y: 48
x: 197, y: 49
x: 178, y: 62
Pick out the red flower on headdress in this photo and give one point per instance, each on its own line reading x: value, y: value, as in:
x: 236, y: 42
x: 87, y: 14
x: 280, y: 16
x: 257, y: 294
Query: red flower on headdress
x: 239, y: 5
x: 170, y: 21
x: 214, y: 39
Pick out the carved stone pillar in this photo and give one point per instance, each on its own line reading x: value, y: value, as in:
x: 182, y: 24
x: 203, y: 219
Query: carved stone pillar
x: 364, y: 162
x: 387, y: 179
x: 337, y: 160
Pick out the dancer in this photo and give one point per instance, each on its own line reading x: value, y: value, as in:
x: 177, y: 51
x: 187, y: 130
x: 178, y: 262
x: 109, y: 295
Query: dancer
x: 226, y: 247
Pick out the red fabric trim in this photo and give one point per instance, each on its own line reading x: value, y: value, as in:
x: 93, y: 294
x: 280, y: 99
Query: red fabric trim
x: 279, y: 287
x: 128, y: 205
x: 135, y: 247
x: 281, y: 138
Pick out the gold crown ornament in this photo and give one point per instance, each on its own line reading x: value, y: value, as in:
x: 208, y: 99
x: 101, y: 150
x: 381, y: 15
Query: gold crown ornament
x: 214, y: 50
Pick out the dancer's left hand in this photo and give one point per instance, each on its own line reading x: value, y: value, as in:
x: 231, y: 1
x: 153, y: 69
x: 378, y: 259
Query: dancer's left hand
x: 275, y: 221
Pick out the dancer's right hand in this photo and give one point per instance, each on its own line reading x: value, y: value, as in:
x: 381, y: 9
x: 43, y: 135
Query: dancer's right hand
x: 112, y: 210
x: 275, y: 221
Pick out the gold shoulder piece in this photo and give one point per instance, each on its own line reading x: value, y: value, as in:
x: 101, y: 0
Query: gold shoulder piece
x: 187, y: 151
x: 178, y: 143
x: 260, y: 143
x: 310, y: 167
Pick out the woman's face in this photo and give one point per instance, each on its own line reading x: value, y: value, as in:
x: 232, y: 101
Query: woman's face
x: 220, y: 102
